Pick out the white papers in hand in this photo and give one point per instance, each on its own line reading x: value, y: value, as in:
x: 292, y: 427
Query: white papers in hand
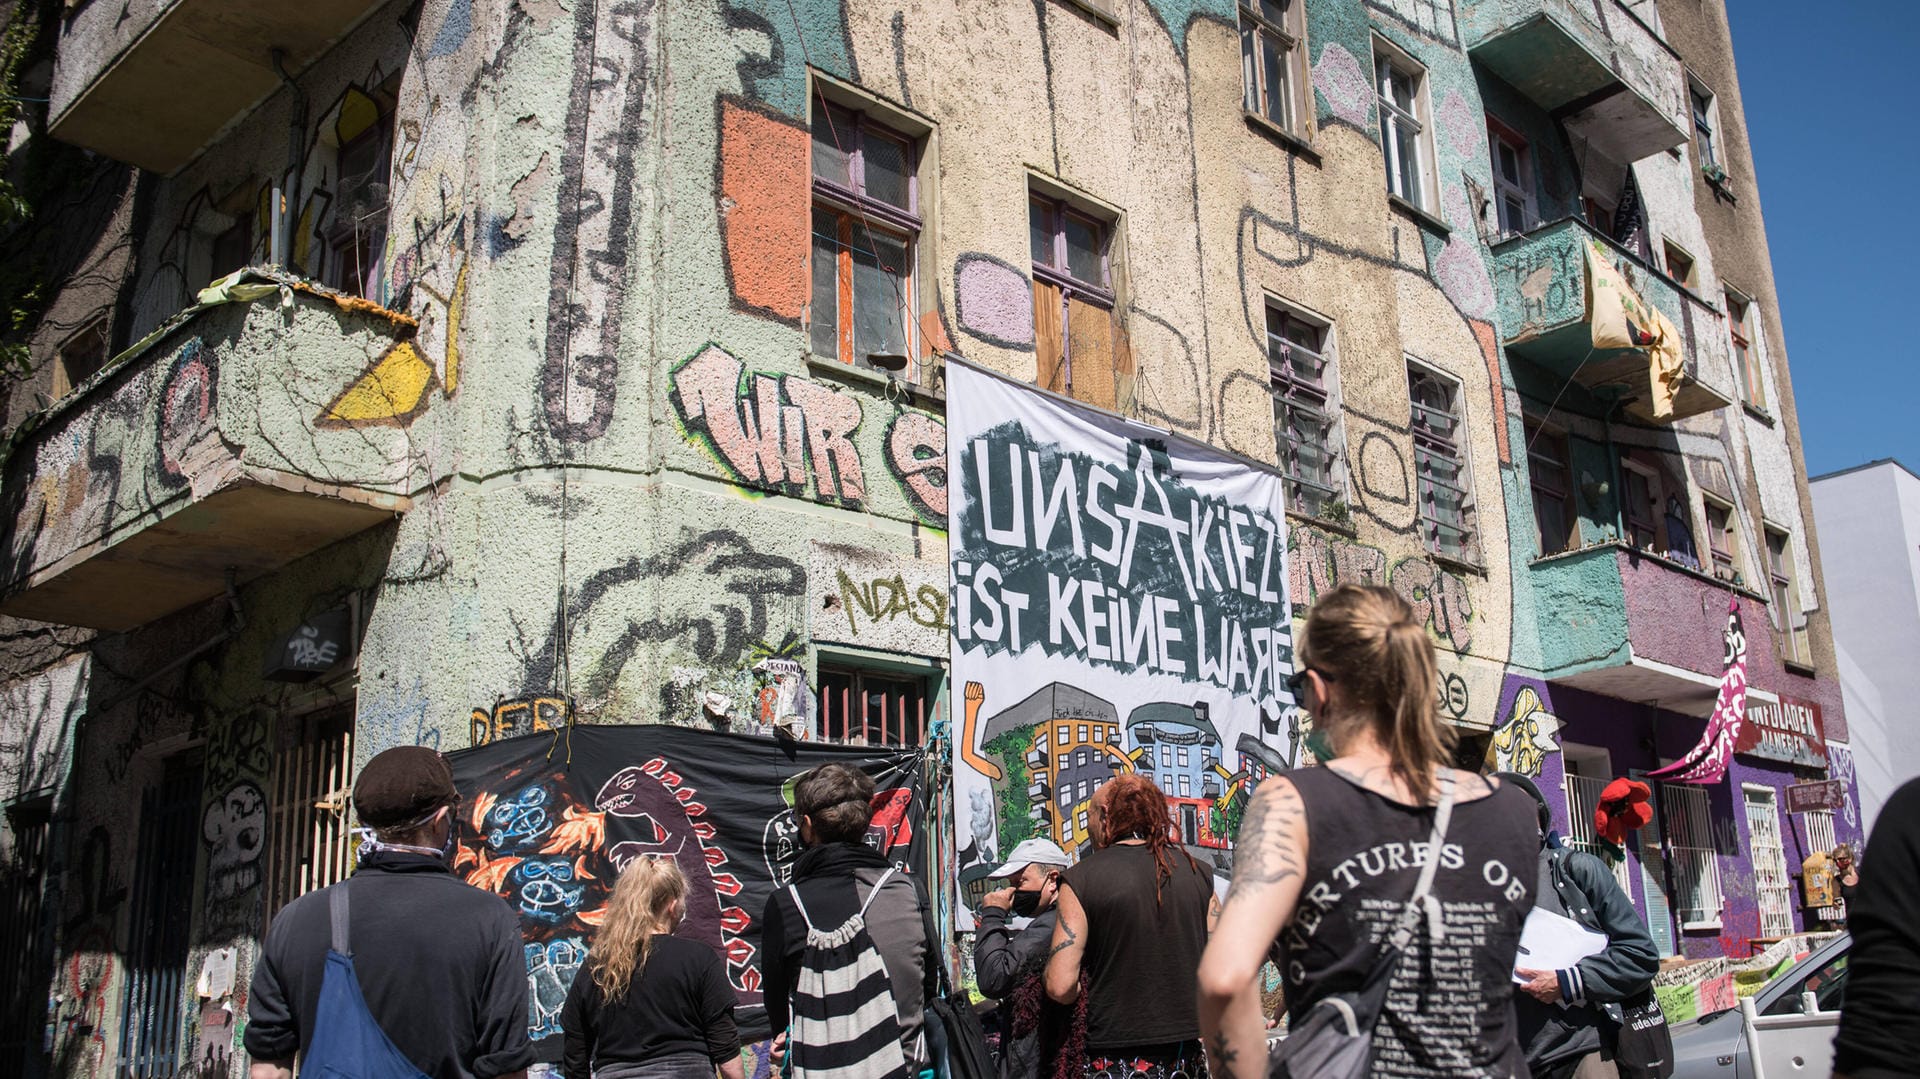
x: 1552, y: 941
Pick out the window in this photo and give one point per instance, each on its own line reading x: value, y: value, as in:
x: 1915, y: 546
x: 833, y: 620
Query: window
x: 1066, y: 796
x: 1064, y: 762
x: 23, y: 880
x: 1746, y: 359
x: 1181, y: 756
x: 1080, y: 758
x: 1303, y: 415
x: 1703, y: 119
x: 1772, y: 889
x: 1402, y: 88
x: 1512, y: 178
x: 1082, y: 732
x: 80, y: 358
x: 1079, y: 346
x: 357, y: 237
x: 308, y: 844
x: 1186, y: 786
x: 1679, y: 263
x: 1166, y: 756
x: 1439, y: 458
x: 1548, y: 470
x: 872, y: 707
x: 1723, y: 540
x: 1270, y: 59
x: 1639, y: 505
x: 233, y: 248
x: 1696, y: 867
x: 1789, y: 622
x: 1827, y: 982
x: 865, y: 226
x: 1589, y: 770
x: 1081, y: 822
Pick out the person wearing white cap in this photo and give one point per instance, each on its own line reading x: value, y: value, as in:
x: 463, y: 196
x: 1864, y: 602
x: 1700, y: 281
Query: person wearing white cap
x: 1009, y: 963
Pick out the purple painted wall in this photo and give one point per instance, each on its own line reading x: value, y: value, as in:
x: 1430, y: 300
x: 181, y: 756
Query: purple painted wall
x: 1638, y: 737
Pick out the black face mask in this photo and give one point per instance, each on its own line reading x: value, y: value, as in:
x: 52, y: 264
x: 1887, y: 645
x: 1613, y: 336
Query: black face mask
x: 1026, y: 904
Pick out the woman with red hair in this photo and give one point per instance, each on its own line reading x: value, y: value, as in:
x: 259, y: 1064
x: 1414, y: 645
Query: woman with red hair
x: 1131, y: 929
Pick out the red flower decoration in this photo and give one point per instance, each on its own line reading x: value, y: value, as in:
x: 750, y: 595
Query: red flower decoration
x: 1623, y: 808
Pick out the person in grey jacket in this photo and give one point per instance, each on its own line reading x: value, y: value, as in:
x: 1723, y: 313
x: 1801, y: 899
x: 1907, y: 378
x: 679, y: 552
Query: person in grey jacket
x: 1008, y: 963
x: 1569, y: 1019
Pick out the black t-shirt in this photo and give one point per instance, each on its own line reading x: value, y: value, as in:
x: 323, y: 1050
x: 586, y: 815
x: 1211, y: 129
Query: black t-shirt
x: 1878, y: 1035
x: 1449, y: 1010
x: 1142, y: 956
x: 441, y: 964
x: 679, y: 1002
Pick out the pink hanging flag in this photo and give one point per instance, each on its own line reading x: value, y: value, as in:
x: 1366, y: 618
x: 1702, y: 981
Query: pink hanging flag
x: 1707, y: 762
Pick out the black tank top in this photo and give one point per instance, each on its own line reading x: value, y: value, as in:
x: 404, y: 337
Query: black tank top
x: 1450, y: 1009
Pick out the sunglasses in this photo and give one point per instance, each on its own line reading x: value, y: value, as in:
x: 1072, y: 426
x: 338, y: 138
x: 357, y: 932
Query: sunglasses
x: 1297, y: 681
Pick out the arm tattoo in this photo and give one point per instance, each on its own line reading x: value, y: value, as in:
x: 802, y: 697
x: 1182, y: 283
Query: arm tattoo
x: 1223, y: 1052
x: 1264, y: 852
x: 1071, y: 940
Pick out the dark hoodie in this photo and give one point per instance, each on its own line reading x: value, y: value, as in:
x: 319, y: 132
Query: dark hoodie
x: 833, y: 880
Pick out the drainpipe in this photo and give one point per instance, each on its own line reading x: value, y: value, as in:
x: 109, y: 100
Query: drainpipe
x: 237, y: 622
x: 286, y: 189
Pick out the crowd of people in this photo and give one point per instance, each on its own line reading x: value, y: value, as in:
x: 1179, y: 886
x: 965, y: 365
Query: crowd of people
x: 1388, y: 888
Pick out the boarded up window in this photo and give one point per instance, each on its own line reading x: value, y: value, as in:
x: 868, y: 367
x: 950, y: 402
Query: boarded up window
x: 1080, y: 343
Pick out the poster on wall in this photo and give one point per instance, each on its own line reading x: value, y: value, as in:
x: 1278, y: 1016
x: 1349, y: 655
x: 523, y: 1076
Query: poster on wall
x: 548, y: 820
x: 1119, y: 605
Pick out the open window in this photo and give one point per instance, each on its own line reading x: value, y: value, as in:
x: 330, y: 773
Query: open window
x: 1746, y: 358
x: 1273, y: 62
x: 356, y: 229
x: 1400, y: 83
x: 1512, y: 178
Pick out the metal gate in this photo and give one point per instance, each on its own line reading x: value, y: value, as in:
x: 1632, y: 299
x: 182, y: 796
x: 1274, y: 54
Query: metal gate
x: 308, y: 844
x: 28, y: 969
x: 151, y: 1020
x: 1771, y: 888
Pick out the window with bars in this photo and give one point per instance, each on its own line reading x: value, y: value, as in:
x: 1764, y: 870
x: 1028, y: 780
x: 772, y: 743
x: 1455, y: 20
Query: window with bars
x: 1304, y: 420
x: 1789, y: 621
x: 1746, y: 358
x: 1688, y: 837
x: 1512, y: 178
x: 1272, y: 58
x: 1773, y: 889
x: 866, y: 223
x: 1401, y: 87
x: 309, y: 837
x: 1080, y: 347
x: 873, y: 707
x: 1583, y: 797
x: 1550, y: 475
x: 23, y: 981
x: 1723, y: 539
x: 1440, y: 463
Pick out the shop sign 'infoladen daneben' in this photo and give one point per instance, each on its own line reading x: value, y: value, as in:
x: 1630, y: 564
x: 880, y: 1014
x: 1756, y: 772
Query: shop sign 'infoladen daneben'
x: 1790, y: 731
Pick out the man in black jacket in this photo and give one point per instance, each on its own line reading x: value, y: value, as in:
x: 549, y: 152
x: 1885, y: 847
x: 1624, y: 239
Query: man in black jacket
x: 1009, y: 964
x: 1570, y: 1019
x: 440, y: 964
x: 835, y: 875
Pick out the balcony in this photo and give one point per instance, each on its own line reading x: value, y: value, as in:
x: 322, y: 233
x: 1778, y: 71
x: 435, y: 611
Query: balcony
x: 153, y: 83
x: 1540, y: 282
x: 1634, y: 626
x: 268, y: 421
x: 1594, y: 66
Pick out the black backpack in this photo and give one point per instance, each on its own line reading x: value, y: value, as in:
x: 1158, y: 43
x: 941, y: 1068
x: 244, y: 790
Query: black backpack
x: 955, y: 1039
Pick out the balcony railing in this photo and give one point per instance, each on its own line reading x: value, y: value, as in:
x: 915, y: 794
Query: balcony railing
x: 1616, y: 85
x: 1540, y: 282
x: 265, y: 422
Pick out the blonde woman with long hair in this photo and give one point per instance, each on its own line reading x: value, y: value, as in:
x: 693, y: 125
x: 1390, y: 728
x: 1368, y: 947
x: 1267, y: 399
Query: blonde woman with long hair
x: 647, y: 1004
x: 1328, y: 860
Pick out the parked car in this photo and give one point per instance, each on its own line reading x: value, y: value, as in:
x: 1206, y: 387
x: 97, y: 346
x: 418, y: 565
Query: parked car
x: 1786, y: 1029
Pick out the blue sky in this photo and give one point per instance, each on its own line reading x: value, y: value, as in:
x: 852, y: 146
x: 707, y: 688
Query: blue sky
x: 1837, y: 145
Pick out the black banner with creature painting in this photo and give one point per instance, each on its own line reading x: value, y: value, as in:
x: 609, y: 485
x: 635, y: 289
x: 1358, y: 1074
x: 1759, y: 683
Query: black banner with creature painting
x: 548, y: 820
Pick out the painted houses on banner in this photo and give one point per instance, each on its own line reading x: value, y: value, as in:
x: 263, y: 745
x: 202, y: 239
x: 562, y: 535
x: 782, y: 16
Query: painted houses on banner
x: 442, y: 372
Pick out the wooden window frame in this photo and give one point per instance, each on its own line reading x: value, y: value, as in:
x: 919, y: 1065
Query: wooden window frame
x: 1723, y: 539
x: 908, y: 723
x: 1746, y: 358
x: 1789, y: 621
x: 1057, y: 274
x: 356, y: 248
x: 1679, y: 263
x: 852, y: 207
x: 1701, y: 107
x: 1388, y: 60
x: 1628, y: 520
x: 1498, y: 133
x: 69, y: 371
x: 1289, y: 38
x: 1550, y: 485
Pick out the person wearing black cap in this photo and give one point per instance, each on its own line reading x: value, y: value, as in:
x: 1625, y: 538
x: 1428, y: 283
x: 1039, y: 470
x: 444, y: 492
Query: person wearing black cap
x: 402, y: 970
x: 1570, y: 1019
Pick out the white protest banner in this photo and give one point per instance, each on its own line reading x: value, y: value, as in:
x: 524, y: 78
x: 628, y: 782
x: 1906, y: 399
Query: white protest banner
x: 1119, y: 604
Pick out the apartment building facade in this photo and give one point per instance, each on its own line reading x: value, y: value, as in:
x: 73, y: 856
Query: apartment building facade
x: 437, y: 371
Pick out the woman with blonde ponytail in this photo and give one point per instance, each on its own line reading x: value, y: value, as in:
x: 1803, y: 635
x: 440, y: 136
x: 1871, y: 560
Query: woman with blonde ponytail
x: 647, y: 1004
x: 1328, y: 860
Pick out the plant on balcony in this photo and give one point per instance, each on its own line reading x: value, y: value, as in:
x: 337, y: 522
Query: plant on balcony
x: 1716, y: 175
